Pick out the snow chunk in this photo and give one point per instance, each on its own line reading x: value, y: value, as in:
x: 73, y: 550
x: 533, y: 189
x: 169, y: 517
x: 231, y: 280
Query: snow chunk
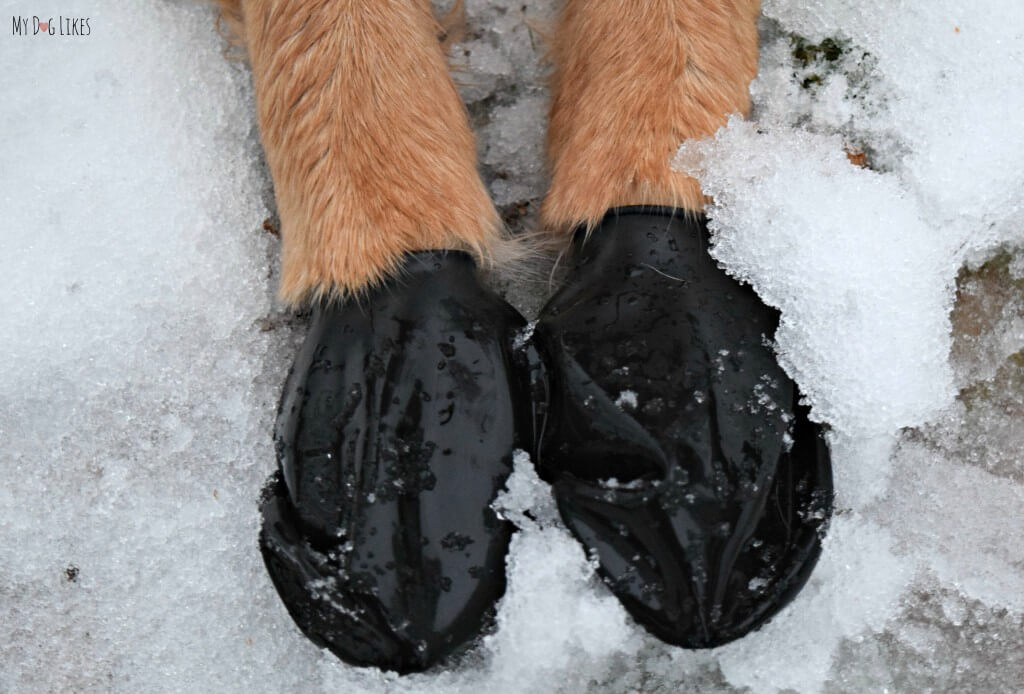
x: 863, y: 283
x: 627, y: 398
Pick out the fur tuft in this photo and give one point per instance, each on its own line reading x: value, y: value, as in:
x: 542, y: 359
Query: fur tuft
x: 229, y: 26
x: 452, y: 25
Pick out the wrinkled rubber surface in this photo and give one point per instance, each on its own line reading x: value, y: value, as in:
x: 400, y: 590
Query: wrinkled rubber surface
x: 394, y: 434
x: 675, y: 444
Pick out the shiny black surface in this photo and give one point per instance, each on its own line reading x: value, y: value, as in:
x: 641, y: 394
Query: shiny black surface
x: 395, y: 432
x: 675, y: 444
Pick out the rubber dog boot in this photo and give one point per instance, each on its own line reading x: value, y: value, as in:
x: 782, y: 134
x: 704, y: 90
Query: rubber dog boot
x: 395, y: 432
x: 677, y: 448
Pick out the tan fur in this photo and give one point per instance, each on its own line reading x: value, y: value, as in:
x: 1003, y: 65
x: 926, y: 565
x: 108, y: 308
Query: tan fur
x: 453, y: 25
x: 633, y: 79
x: 367, y: 141
x: 229, y: 22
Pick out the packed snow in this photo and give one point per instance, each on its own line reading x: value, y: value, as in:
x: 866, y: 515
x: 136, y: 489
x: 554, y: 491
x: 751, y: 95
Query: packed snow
x: 874, y: 197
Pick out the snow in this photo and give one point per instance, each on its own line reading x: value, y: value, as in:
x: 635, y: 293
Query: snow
x: 145, y: 354
x: 627, y: 400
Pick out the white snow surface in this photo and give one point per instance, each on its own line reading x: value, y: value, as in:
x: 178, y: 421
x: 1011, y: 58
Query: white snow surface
x: 145, y: 353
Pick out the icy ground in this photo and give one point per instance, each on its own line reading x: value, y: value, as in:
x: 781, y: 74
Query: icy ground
x: 143, y: 355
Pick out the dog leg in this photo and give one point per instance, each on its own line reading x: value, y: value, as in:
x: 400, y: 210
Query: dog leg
x: 632, y: 81
x: 399, y: 418
x: 368, y: 144
x: 677, y: 448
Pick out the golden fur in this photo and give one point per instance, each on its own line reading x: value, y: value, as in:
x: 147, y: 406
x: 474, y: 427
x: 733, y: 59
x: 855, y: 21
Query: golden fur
x: 367, y: 141
x: 632, y: 80
x: 370, y: 149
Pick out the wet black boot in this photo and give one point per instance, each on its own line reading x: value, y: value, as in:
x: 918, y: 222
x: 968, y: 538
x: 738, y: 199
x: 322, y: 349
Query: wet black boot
x: 395, y: 432
x: 676, y: 446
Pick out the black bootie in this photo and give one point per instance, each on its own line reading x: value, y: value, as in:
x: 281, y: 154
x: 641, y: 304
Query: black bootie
x: 395, y: 432
x: 677, y: 447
